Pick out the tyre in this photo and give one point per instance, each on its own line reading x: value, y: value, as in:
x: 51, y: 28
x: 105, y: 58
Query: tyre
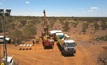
x: 75, y: 51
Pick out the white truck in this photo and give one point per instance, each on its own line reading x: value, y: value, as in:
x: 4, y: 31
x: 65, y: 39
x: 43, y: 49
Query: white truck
x: 68, y: 47
x: 8, y: 40
x: 66, y: 44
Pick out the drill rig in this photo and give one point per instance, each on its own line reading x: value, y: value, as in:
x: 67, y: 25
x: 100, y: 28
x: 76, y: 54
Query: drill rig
x: 48, y: 42
x: 45, y: 24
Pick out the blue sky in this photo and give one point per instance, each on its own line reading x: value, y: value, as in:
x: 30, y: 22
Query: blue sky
x: 89, y: 8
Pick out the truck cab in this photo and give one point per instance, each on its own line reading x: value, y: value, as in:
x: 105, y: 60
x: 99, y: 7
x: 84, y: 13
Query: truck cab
x: 69, y: 47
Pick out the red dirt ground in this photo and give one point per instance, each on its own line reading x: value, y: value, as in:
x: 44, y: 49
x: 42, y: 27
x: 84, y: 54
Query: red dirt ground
x: 87, y: 54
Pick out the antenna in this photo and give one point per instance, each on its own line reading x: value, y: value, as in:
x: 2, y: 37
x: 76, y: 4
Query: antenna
x: 3, y: 14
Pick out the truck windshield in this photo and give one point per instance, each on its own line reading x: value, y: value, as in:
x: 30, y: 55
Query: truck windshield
x: 70, y: 44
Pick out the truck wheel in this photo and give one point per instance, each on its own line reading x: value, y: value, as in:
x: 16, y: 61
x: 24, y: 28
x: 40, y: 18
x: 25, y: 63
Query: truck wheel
x: 72, y: 54
x: 75, y: 51
x: 9, y: 41
x: 45, y: 47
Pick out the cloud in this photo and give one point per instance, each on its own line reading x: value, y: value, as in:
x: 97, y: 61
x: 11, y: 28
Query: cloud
x: 1, y: 3
x: 27, y: 2
x: 92, y: 9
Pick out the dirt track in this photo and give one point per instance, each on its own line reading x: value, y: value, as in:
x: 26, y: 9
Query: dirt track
x: 85, y: 55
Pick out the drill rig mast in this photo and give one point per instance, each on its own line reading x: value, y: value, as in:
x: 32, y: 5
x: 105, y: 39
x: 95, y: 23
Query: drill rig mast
x: 46, y: 39
x: 45, y: 24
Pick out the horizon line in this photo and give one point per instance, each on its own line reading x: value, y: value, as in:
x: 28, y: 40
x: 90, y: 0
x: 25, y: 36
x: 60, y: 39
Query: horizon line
x: 56, y: 16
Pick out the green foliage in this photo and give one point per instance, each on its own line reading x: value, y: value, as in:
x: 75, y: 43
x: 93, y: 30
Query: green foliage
x: 23, y: 22
x: 75, y: 24
x: 104, y: 38
x: 28, y: 31
x: 89, y: 19
x: 27, y: 24
x: 0, y: 27
x: 10, y: 27
x: 66, y: 26
x: 51, y: 23
x: 62, y: 20
x: 96, y: 26
x: 38, y: 20
x: 85, y: 26
x: 20, y: 26
x: 103, y: 25
x: 16, y: 34
x: 9, y: 19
